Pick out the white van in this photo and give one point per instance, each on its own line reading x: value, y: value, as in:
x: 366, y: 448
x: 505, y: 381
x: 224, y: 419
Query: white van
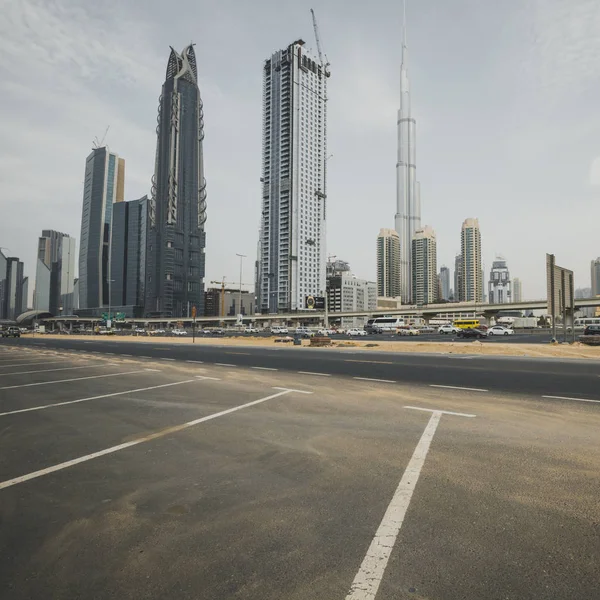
x: 387, y: 324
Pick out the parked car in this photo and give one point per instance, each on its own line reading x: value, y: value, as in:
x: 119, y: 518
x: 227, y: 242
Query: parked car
x: 408, y: 331
x: 448, y: 329
x: 326, y: 332
x: 179, y: 332
x: 139, y: 330
x: 499, y: 330
x: 279, y: 330
x: 251, y: 330
x: 305, y: 332
x: 592, y: 330
x: 471, y: 333
x: 355, y: 331
x: 11, y: 332
x: 428, y: 329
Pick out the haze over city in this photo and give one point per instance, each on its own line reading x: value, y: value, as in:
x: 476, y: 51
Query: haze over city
x: 504, y: 98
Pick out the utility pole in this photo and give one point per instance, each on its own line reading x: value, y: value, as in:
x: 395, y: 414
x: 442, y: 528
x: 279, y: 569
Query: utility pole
x: 242, y: 257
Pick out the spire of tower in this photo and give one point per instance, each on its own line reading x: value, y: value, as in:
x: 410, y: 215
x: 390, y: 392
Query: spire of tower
x: 404, y: 84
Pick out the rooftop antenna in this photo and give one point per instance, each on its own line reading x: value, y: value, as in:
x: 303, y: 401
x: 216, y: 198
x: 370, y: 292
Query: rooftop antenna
x: 99, y: 143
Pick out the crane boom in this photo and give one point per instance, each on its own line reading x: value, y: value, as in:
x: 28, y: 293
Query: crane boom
x: 316, y: 28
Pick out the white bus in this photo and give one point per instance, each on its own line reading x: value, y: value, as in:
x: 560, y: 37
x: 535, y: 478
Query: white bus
x: 585, y: 321
x: 387, y: 324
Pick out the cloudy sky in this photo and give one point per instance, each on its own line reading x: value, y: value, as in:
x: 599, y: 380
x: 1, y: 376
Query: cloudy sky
x: 505, y: 95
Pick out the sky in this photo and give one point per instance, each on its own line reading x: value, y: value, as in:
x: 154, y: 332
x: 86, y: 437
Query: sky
x: 505, y: 95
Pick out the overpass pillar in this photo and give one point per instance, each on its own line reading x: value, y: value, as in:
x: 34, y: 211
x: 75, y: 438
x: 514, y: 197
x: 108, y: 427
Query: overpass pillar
x: 490, y: 315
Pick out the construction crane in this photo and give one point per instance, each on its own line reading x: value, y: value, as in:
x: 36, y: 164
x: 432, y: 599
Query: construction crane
x: 322, y: 58
x: 223, y: 290
x: 98, y: 143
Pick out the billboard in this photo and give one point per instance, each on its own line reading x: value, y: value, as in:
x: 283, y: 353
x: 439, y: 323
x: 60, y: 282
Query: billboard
x: 314, y: 302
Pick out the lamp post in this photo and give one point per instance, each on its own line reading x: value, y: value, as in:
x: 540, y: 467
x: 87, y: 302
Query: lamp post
x: 242, y: 257
x: 108, y: 321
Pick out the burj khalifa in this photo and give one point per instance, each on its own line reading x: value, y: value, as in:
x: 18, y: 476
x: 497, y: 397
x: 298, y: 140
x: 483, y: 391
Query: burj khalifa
x: 408, y: 202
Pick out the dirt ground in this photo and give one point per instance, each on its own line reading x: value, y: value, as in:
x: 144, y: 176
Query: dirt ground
x: 576, y: 350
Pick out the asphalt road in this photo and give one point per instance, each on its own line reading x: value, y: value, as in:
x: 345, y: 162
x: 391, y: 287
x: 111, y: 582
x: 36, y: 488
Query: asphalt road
x: 538, y: 377
x: 127, y: 477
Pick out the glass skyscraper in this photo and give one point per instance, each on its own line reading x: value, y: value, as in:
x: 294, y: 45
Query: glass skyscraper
x: 177, y: 207
x: 104, y: 185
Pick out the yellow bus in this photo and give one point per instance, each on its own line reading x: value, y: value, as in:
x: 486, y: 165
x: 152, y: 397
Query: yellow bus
x: 466, y: 323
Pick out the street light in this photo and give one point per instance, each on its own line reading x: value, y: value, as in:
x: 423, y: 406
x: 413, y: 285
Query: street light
x: 242, y: 257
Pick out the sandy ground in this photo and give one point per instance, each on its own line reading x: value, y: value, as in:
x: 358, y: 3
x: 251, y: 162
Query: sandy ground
x: 576, y: 350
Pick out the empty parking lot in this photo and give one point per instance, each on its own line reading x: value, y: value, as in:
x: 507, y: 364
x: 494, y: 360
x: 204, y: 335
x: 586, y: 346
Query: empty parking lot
x: 126, y: 477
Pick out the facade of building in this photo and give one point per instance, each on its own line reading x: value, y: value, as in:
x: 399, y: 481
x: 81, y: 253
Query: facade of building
x: 424, y: 267
x: 517, y: 290
x: 346, y: 292
x: 458, y: 278
x: 231, y: 303
x: 388, y: 264
x: 177, y: 208
x: 408, y: 200
x: 104, y: 185
x: 13, y: 288
x: 445, y: 290
x: 54, y: 290
x: 128, y: 253
x: 499, y: 285
x: 294, y: 196
x: 595, y: 277
x: 472, y: 273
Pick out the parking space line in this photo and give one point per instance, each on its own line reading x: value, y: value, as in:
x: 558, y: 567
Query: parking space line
x: 265, y: 368
x: 52, y: 370
x: 372, y: 379
x: 371, y: 571
x: 126, y: 354
x: 311, y: 373
x: 144, y: 357
x: 147, y: 438
x: 224, y: 365
x: 164, y: 358
x: 197, y: 362
x: 12, y: 387
x: 568, y: 398
x: 445, y: 412
x: 44, y: 406
x: 455, y: 387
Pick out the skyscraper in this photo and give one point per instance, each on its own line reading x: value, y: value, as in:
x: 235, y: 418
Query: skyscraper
x: 104, y: 185
x: 499, y: 285
x: 424, y: 266
x: 595, y: 277
x: 12, y: 287
x: 388, y: 264
x: 55, y: 273
x: 517, y: 290
x: 472, y: 274
x: 128, y: 253
x: 294, y: 195
x: 444, y: 283
x: 458, y: 279
x: 177, y: 207
x: 408, y: 201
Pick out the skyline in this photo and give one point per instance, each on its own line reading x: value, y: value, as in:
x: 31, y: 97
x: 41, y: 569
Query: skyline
x: 493, y: 165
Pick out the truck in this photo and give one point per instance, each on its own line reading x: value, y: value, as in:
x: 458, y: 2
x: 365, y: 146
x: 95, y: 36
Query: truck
x: 525, y: 323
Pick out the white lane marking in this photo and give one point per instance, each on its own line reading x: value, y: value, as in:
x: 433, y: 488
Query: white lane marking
x: 197, y: 362
x: 311, y: 373
x: 152, y: 436
x: 87, y: 342
x: 12, y: 387
x: 126, y: 354
x: 163, y: 358
x: 202, y: 377
x: 152, y: 370
x: 43, y: 362
x: 265, y: 368
x: 145, y: 357
x: 455, y: 387
x: 292, y: 390
x: 445, y: 412
x: 44, y: 406
x: 52, y: 370
x: 110, y: 353
x: 372, y: 379
x: 568, y: 398
x: 224, y: 365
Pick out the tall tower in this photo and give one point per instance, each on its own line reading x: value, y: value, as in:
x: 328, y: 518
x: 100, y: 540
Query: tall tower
x: 104, y: 185
x: 595, y: 277
x: 499, y: 285
x: 472, y: 274
x: 444, y: 283
x: 408, y: 202
x: 424, y: 267
x: 388, y: 264
x: 517, y: 291
x: 292, y: 242
x: 177, y: 207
